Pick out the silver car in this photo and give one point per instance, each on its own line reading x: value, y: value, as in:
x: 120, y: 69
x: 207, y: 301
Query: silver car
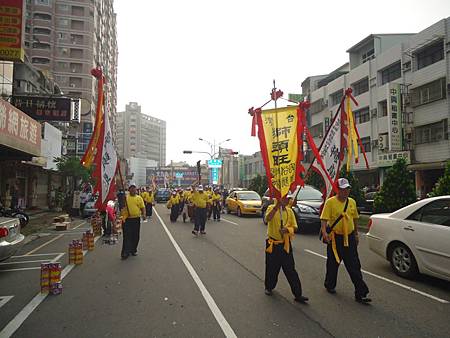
x: 11, y: 239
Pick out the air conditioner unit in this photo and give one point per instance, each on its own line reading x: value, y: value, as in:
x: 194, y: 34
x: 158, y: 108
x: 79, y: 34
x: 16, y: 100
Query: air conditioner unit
x: 373, y: 112
x: 383, y: 141
x: 72, y: 85
x: 406, y: 66
x: 374, y: 143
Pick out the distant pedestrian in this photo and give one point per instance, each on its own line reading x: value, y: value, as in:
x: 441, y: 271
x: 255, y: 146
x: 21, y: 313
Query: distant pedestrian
x: 280, y: 229
x: 340, y: 232
x: 174, y: 204
x: 110, y: 218
x: 216, y: 205
x: 134, y: 209
x: 200, y: 200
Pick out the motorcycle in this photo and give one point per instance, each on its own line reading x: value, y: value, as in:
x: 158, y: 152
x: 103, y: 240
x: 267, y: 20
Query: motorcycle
x: 15, y: 213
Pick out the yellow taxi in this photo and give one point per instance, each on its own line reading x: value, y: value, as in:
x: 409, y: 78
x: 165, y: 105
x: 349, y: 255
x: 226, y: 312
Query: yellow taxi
x: 243, y: 202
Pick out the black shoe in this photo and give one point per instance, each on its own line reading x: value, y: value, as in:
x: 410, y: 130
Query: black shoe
x: 268, y: 292
x: 363, y: 300
x: 301, y: 299
x: 332, y: 291
x: 124, y: 256
x: 195, y: 232
x: 134, y: 254
x: 203, y: 232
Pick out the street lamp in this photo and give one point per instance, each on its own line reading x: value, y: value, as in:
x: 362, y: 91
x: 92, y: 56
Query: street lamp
x: 213, y: 145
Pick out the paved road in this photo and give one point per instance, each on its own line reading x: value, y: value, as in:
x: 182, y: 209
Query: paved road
x: 212, y: 286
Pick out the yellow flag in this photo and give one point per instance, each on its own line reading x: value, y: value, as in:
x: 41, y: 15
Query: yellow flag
x: 352, y: 141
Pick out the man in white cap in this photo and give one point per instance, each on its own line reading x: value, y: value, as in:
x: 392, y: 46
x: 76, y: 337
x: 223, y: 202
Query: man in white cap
x: 340, y: 232
x: 200, y: 201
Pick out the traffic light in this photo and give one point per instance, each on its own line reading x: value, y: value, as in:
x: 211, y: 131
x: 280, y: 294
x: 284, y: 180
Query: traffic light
x: 187, y: 151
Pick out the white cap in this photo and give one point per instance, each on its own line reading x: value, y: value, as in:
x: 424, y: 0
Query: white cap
x: 131, y: 184
x: 343, y: 183
x: 200, y: 187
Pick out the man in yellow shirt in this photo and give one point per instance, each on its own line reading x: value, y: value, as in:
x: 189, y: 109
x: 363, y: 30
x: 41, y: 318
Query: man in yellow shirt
x: 174, y: 204
x: 281, y: 227
x: 340, y: 232
x: 216, y: 206
x: 148, y: 198
x: 200, y: 200
x: 132, y: 212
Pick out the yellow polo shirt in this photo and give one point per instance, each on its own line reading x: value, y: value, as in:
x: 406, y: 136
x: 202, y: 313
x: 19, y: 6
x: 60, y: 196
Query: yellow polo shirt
x: 274, y: 225
x: 333, y: 208
x: 199, y: 199
x: 135, y: 204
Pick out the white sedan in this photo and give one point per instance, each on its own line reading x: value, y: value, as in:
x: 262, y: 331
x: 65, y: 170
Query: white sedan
x: 414, y: 239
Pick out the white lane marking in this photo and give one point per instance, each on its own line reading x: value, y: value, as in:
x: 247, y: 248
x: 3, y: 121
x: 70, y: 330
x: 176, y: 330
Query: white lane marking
x: 409, y: 288
x: 224, y: 325
x: 20, y: 269
x: 4, y: 300
x: 224, y: 219
x: 50, y: 241
x: 18, y: 320
x: 26, y: 262
x: 43, y: 254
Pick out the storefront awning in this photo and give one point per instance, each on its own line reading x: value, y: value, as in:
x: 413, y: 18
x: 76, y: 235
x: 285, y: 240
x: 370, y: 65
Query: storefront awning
x: 427, y: 166
x: 20, y: 135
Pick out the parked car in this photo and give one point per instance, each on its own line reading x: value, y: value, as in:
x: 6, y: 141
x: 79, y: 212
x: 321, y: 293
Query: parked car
x: 414, y: 239
x: 243, y: 202
x: 162, y: 195
x: 307, y: 208
x: 89, y: 208
x: 11, y: 239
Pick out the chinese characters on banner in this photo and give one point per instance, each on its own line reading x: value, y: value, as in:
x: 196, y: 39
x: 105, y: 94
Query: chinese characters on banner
x: 278, y: 132
x: 330, y: 152
x: 18, y: 130
x: 12, y: 23
x: 394, y: 117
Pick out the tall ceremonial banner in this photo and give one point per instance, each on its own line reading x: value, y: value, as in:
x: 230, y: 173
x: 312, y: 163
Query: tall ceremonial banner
x: 106, y: 163
x: 331, y: 153
x: 279, y: 138
x: 88, y: 156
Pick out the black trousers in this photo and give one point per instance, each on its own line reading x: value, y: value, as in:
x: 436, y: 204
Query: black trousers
x: 200, y: 219
x: 216, y: 211
x: 174, y: 212
x: 131, y: 230
x: 148, y: 209
x: 351, y: 260
x: 281, y: 259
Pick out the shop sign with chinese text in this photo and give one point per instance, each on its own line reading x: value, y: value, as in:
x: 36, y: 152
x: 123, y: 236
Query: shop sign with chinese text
x: 45, y: 108
x: 388, y: 159
x: 12, y: 22
x: 394, y: 117
x: 18, y: 130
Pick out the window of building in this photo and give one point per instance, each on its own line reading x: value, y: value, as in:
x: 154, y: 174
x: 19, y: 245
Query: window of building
x: 430, y: 133
x: 27, y: 29
x: 369, y: 55
x: 317, y: 106
x: 42, y: 16
x: 362, y: 115
x: 77, y: 24
x: 42, y: 61
x: 317, y: 130
x: 41, y: 45
x: 63, y: 22
x: 428, y: 93
x: 76, y: 38
x: 391, y: 73
x: 361, y: 86
x: 336, y: 97
x: 382, y: 108
x: 77, y: 11
x: 76, y: 53
x: 42, y: 2
x: 43, y: 31
x: 430, y: 55
x: 365, y: 141
x: 63, y: 7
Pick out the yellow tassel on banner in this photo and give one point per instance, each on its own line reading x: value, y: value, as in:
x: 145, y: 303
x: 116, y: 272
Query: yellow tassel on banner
x: 352, y: 141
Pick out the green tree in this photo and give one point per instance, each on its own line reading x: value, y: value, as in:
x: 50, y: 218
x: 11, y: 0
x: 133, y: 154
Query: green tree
x: 355, y: 192
x: 314, y: 179
x: 71, y: 168
x: 443, y: 184
x: 398, y: 189
x: 258, y: 184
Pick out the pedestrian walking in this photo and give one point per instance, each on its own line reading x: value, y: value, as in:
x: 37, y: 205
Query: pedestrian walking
x: 200, y: 200
x: 134, y: 209
x: 148, y: 198
x: 216, y: 206
x: 280, y: 230
x: 340, y: 232
x: 173, y: 204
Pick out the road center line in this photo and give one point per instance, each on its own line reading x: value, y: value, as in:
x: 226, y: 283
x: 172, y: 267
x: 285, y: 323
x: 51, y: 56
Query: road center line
x: 5, y: 299
x: 224, y: 219
x: 409, y: 288
x: 224, y: 325
x: 18, y: 320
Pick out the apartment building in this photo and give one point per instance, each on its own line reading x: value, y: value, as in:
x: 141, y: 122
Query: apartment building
x: 66, y: 39
x: 140, y: 135
x: 401, y: 84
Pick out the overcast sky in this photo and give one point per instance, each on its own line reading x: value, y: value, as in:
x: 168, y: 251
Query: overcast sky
x: 200, y: 64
